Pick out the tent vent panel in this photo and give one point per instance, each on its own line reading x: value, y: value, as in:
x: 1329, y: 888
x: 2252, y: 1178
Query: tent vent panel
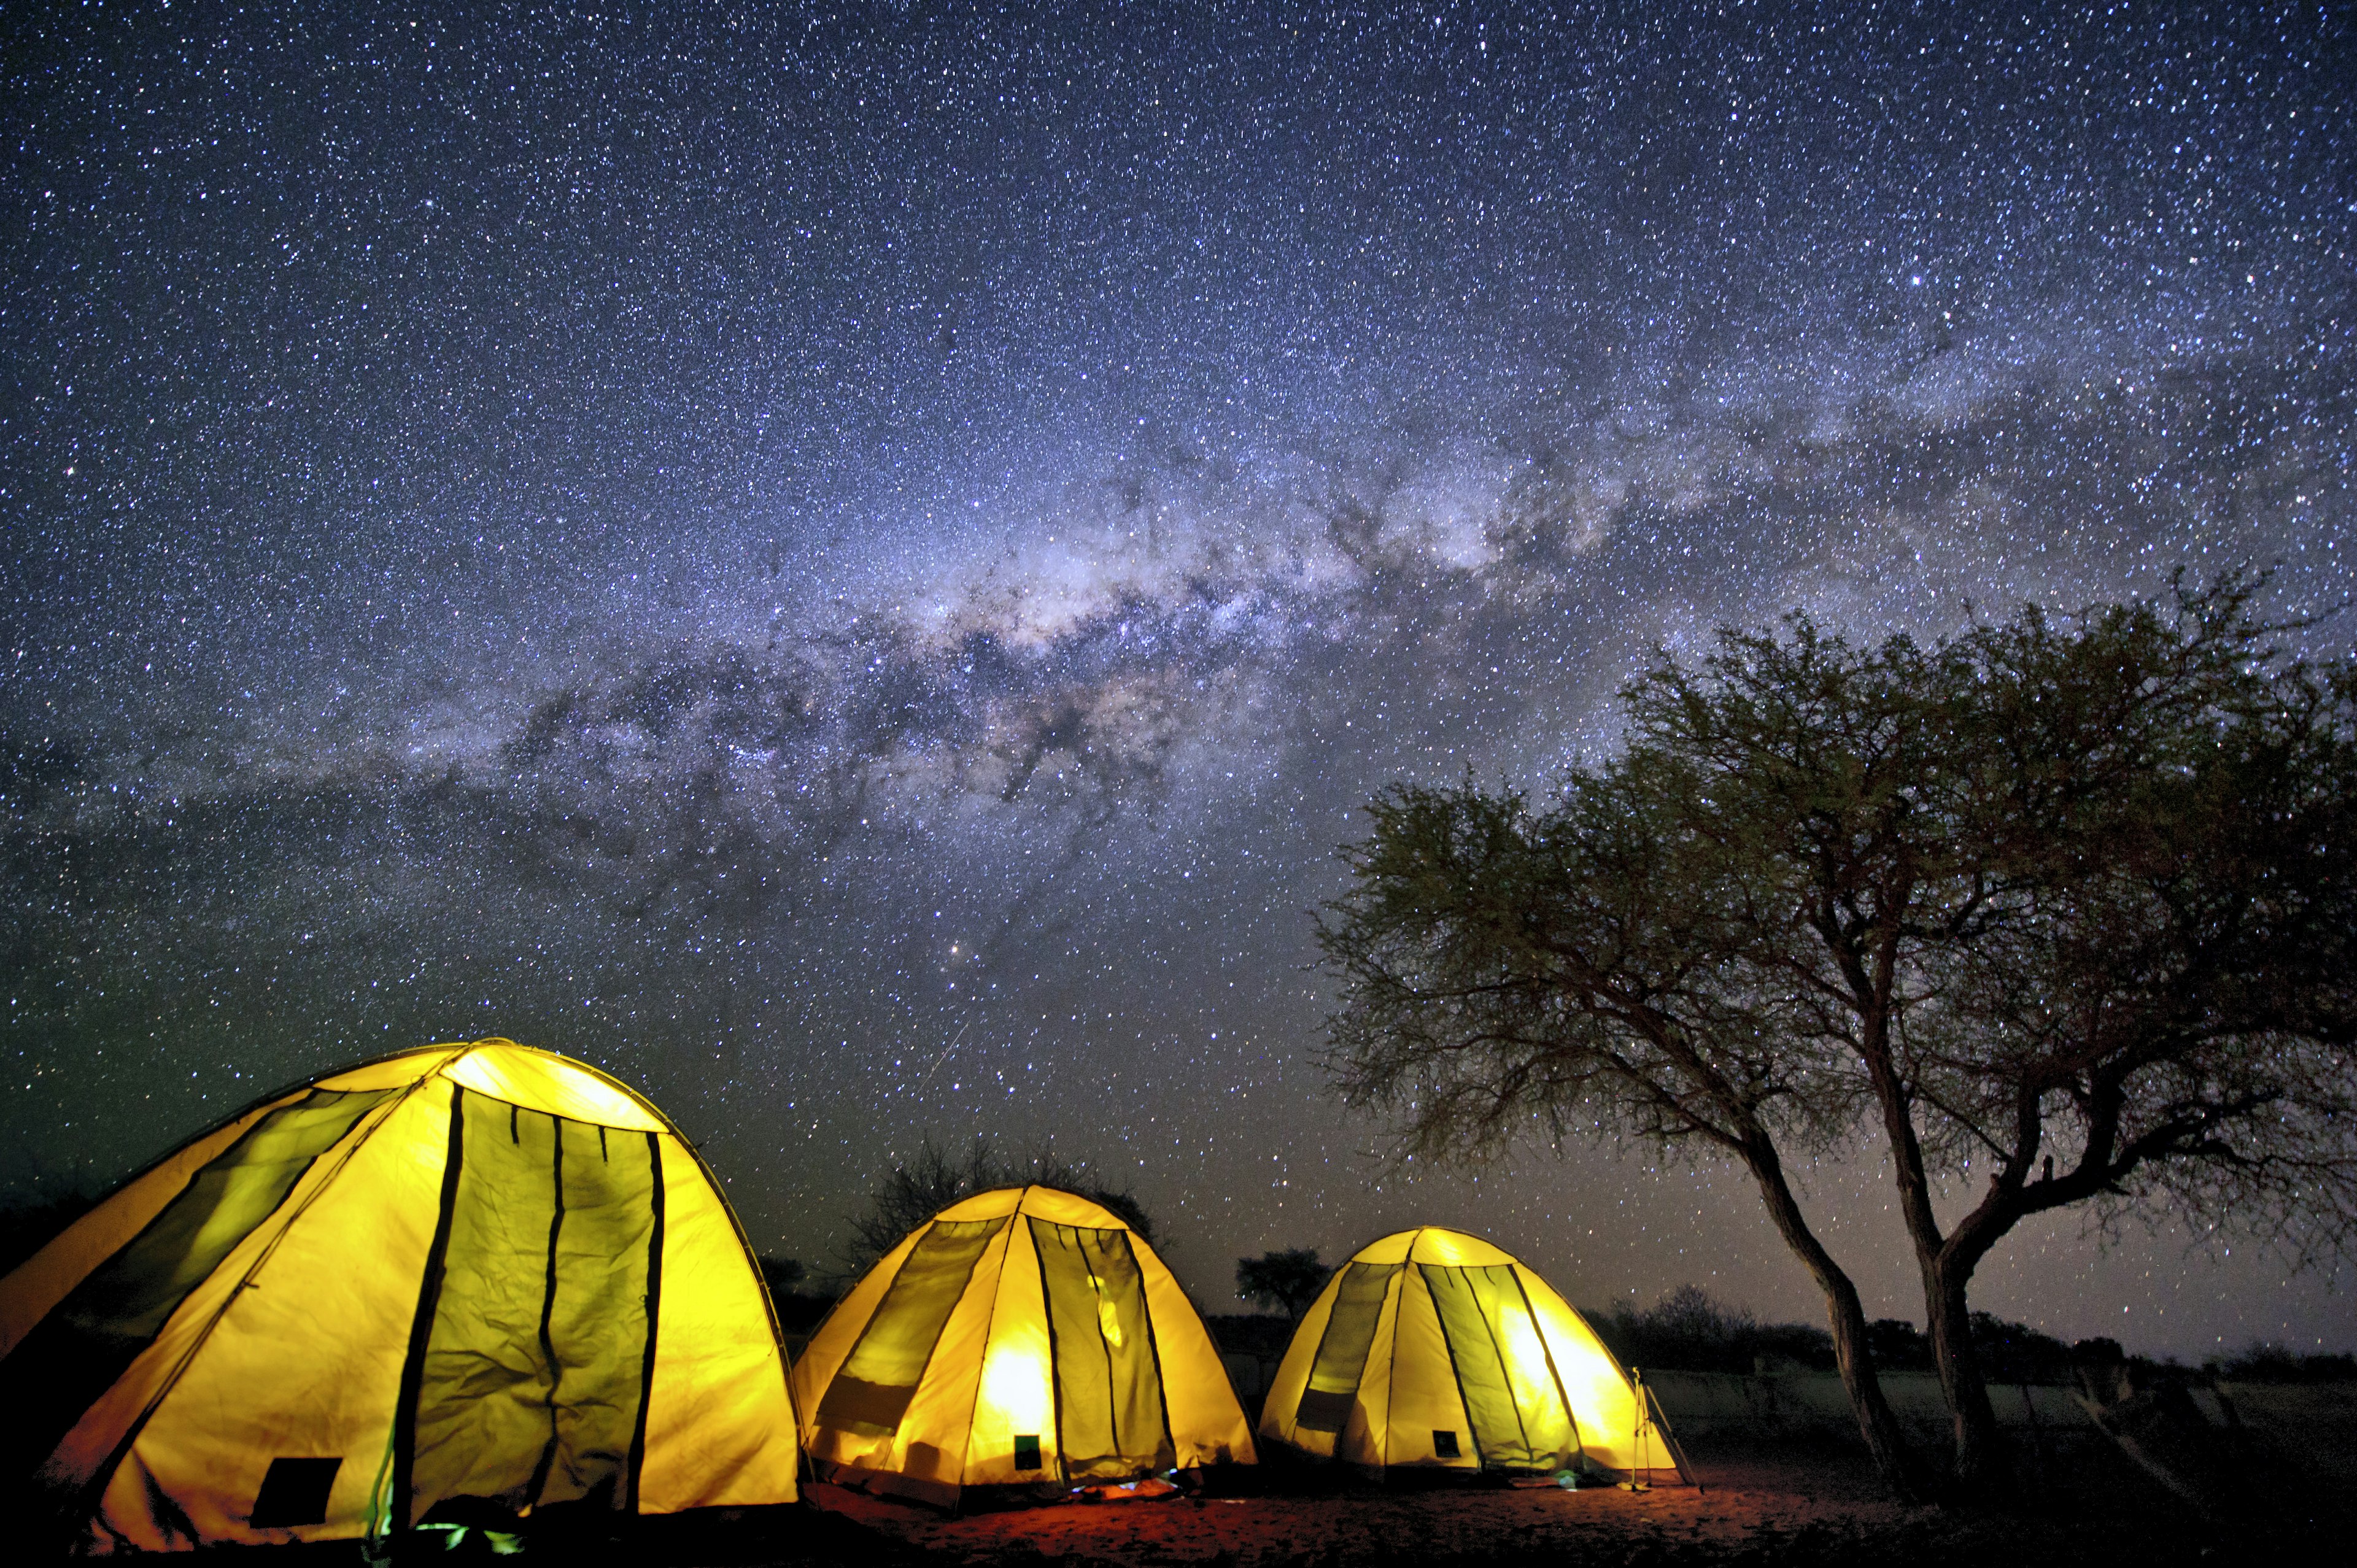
x: 1109, y: 1412
x: 535, y: 1368
x: 872, y: 1391
x: 1511, y: 1399
x: 91, y: 1337
x: 1342, y: 1352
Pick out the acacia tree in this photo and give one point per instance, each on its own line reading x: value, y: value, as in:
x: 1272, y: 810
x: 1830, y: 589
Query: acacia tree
x: 2026, y: 892
x: 2136, y: 989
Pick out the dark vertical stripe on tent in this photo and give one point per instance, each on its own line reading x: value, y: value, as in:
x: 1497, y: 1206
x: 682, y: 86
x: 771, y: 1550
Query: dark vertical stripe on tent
x: 1154, y: 1348
x: 421, y: 1326
x: 654, y: 1318
x: 548, y: 1308
x: 1055, y: 1351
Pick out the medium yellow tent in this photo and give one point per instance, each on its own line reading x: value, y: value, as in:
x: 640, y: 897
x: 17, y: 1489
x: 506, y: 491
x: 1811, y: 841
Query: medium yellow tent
x: 1434, y: 1349
x: 1024, y: 1335
x: 480, y: 1278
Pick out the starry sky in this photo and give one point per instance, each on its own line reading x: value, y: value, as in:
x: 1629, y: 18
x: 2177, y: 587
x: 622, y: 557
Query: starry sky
x: 852, y: 566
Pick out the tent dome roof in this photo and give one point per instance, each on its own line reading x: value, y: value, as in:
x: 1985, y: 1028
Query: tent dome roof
x: 519, y: 1075
x: 1435, y: 1244
x: 1049, y: 1203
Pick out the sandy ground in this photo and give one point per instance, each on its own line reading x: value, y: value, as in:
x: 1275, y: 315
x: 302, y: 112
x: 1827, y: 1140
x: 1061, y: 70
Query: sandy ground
x: 1807, y: 1503
x: 1759, y: 1505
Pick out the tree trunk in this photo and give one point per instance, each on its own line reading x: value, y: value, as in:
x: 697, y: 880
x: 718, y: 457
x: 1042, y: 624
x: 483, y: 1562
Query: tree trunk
x: 1876, y: 1422
x: 1981, y: 1461
x: 1846, y: 1315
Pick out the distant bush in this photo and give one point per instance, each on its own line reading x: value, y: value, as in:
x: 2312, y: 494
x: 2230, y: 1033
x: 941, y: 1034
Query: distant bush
x: 2016, y: 1353
x: 1285, y: 1282
x: 1263, y: 1335
x: 798, y: 1310
x: 1689, y: 1330
x: 916, y: 1189
x: 2265, y: 1363
x: 1898, y: 1346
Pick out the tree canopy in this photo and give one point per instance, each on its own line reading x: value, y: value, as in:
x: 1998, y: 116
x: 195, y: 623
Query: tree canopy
x: 2061, y: 906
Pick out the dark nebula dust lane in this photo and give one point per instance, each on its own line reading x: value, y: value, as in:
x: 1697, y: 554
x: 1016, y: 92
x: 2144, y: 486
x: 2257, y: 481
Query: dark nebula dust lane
x: 852, y: 566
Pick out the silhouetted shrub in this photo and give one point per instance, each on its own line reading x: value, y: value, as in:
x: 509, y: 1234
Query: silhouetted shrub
x: 1898, y: 1346
x: 1263, y: 1335
x: 2016, y: 1353
x: 1689, y: 1330
x: 798, y: 1310
x: 2265, y: 1363
x: 921, y: 1187
x: 1285, y: 1282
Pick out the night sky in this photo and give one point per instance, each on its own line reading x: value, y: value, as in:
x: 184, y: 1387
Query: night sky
x: 852, y: 566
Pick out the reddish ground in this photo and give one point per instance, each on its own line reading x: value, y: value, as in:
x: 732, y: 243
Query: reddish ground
x: 1765, y: 1505
x: 1780, y: 1504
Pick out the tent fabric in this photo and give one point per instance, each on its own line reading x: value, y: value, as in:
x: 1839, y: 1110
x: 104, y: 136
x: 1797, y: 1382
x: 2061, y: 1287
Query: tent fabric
x: 1021, y: 1336
x: 1432, y: 1348
x: 475, y: 1275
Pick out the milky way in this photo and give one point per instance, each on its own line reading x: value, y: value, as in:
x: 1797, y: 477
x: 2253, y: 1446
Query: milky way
x: 852, y: 567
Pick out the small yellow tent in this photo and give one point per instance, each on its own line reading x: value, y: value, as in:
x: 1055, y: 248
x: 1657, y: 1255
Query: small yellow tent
x: 1024, y: 1335
x: 1434, y: 1349
x: 472, y: 1276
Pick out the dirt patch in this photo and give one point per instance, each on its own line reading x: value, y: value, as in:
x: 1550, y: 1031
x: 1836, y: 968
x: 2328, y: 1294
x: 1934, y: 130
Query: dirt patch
x: 1780, y: 1505
x: 2083, y: 1505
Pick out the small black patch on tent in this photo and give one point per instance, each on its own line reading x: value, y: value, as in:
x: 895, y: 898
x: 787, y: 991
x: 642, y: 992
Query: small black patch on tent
x: 1444, y: 1444
x: 295, y: 1491
x: 1027, y: 1451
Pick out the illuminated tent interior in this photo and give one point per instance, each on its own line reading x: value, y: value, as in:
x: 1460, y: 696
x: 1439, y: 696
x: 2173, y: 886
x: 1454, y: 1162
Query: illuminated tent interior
x: 1021, y: 1336
x: 1432, y: 1348
x: 479, y: 1279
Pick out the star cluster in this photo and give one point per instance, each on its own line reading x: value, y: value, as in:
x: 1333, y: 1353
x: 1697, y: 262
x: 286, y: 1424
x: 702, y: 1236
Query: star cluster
x: 852, y: 566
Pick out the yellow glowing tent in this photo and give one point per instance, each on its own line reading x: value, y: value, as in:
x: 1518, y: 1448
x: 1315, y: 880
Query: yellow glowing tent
x: 1024, y: 1335
x: 482, y: 1278
x: 1434, y: 1349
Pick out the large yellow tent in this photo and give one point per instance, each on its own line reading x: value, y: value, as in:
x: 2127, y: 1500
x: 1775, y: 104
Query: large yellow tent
x: 475, y: 1277
x: 1433, y: 1348
x: 1024, y: 1335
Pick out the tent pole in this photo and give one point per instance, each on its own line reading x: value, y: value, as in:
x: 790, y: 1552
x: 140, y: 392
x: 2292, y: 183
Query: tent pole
x: 1637, y: 1468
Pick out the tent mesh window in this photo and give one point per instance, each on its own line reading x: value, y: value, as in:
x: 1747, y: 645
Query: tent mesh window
x: 535, y: 1364
x: 1517, y: 1413
x: 84, y: 1346
x: 1109, y: 1412
x: 1333, y: 1384
x: 872, y: 1391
